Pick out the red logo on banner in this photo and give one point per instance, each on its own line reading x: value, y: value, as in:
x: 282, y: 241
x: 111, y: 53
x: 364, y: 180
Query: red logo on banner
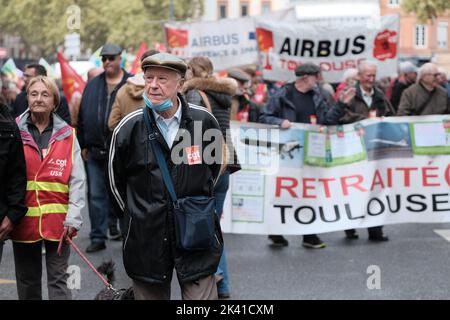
x: 177, y: 38
x: 265, y: 43
x: 385, y: 46
x: 265, y: 39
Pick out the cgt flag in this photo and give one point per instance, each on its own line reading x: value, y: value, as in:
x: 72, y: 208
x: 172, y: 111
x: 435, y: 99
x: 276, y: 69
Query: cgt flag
x: 73, y: 85
x: 136, y: 67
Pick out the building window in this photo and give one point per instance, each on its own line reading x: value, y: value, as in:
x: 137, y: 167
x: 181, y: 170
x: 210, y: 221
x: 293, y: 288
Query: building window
x: 393, y: 3
x: 223, y: 6
x: 442, y: 35
x: 244, y: 9
x: 420, y: 36
x: 266, y: 7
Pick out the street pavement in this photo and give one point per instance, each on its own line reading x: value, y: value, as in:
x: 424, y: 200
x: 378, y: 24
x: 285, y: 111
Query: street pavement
x: 414, y: 264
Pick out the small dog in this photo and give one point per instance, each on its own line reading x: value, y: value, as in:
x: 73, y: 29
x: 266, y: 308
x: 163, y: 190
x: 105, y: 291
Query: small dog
x: 107, y: 269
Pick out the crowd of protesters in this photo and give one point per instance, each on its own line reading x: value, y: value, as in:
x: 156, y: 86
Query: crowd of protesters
x: 41, y: 201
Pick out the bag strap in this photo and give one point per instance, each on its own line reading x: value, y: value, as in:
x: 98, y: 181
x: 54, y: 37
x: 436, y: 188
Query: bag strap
x: 205, y: 100
x: 156, y: 148
x: 423, y: 105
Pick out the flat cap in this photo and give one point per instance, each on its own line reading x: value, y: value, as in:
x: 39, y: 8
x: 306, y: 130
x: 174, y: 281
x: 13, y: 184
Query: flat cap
x: 110, y: 50
x: 407, y: 67
x: 307, y: 69
x: 165, y: 60
x: 239, y: 75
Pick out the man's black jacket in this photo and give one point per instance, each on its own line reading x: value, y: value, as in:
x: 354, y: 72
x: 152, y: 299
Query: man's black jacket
x: 149, y: 251
x: 94, y: 112
x: 13, y: 179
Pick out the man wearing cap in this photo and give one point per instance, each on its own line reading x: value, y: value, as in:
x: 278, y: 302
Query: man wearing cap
x: 408, y: 76
x: 302, y: 102
x: 149, y: 252
x: 242, y: 108
x: 93, y: 133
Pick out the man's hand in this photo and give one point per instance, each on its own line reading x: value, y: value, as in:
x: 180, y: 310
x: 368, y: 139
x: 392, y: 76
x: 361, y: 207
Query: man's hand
x: 286, y: 124
x: 347, y: 95
x: 5, y: 228
x: 84, y: 154
x: 72, y: 232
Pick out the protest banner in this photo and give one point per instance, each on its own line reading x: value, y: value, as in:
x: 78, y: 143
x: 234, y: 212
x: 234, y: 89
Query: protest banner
x: 227, y: 42
x: 314, y: 179
x: 334, y: 47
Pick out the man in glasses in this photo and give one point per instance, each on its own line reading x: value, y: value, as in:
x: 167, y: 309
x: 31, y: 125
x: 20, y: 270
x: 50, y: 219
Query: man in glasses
x: 98, y: 98
x: 426, y: 96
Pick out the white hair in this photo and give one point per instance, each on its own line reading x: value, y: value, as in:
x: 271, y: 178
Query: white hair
x: 349, y: 73
x: 424, y: 69
x: 366, y: 63
x: 443, y: 71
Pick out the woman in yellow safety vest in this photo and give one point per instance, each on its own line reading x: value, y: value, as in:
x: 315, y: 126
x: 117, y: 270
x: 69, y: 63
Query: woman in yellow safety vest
x: 56, y: 183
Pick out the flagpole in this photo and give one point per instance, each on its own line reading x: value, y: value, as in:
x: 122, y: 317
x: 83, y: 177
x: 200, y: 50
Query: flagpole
x: 171, y: 10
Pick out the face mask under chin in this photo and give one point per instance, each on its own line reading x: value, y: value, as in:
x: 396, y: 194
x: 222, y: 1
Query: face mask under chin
x: 162, y: 106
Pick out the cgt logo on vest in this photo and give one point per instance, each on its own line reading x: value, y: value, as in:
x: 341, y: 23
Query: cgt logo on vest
x: 57, y: 167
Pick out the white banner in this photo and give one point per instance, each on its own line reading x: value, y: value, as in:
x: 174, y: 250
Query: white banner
x: 227, y: 42
x: 311, y: 179
x: 336, y: 48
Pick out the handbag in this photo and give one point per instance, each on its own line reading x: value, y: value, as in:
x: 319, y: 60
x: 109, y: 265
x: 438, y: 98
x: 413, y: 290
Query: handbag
x: 194, y: 216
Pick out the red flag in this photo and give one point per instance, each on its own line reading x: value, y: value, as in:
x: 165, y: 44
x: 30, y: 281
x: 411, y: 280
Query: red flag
x: 73, y: 85
x: 136, y: 67
x: 160, y: 47
x: 176, y: 38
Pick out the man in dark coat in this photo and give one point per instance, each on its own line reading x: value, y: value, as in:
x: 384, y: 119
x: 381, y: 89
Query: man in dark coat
x: 93, y: 134
x: 150, y: 252
x: 301, y: 102
x: 408, y: 76
x: 13, y: 180
x: 369, y: 102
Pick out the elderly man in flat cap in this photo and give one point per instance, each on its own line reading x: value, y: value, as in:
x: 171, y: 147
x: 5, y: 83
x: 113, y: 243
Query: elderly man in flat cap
x: 93, y: 135
x: 183, y: 137
x: 302, y: 102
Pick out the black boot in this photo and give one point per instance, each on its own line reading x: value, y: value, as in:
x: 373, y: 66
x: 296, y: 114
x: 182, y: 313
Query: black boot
x: 278, y: 240
x: 351, y: 234
x: 376, y: 234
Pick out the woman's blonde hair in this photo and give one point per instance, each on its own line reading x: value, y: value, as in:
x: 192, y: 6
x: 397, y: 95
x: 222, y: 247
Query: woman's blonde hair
x: 50, y: 84
x: 201, y: 67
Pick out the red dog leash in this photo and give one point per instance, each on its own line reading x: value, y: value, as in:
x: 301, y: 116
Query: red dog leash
x: 65, y: 238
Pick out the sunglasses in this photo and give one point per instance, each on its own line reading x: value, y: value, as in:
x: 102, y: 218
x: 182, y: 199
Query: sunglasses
x: 110, y: 58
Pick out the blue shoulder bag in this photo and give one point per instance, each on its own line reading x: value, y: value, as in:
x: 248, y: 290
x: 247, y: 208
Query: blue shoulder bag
x: 194, y: 216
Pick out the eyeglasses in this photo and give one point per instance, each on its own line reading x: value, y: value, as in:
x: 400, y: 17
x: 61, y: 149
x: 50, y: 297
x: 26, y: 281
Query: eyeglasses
x: 110, y: 58
x: 160, y: 79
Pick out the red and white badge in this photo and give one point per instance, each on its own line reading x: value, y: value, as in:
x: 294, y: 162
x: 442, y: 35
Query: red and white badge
x: 372, y: 113
x: 193, y: 155
x: 313, y: 119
